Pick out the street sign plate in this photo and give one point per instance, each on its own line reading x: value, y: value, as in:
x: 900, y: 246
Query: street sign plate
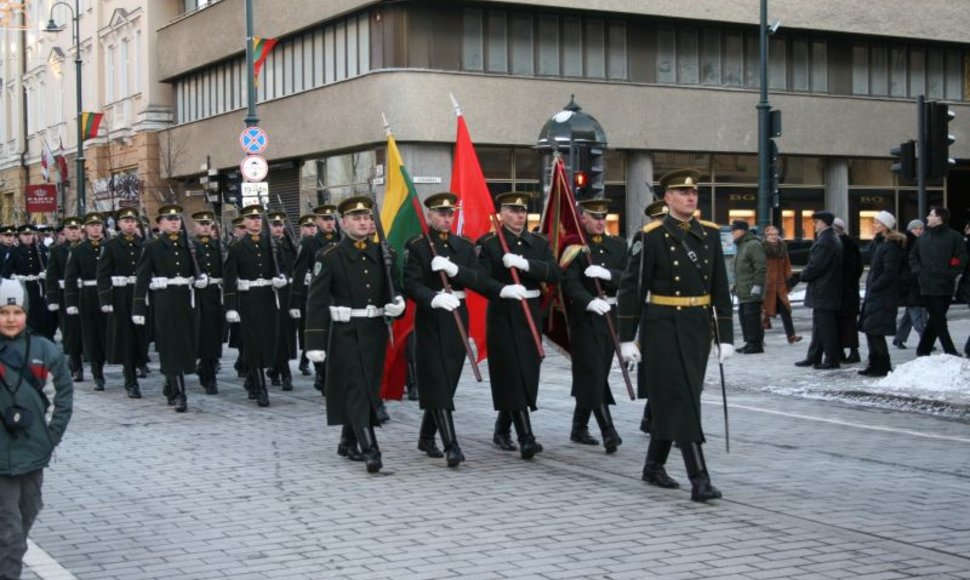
x: 253, y: 140
x: 257, y: 192
x: 254, y: 168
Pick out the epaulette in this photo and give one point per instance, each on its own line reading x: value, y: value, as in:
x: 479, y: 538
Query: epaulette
x: 652, y: 226
x: 328, y: 249
x: 708, y: 224
x: 415, y: 239
x: 486, y: 237
x: 569, y: 254
x: 540, y: 235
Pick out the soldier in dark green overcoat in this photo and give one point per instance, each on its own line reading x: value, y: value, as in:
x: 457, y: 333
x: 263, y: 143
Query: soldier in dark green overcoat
x: 602, y: 259
x: 70, y: 325
x: 208, y: 300
x: 279, y: 372
x: 513, y: 359
x: 81, y: 295
x: 675, y: 273
x: 440, y: 353
x: 116, y: 291
x: 348, y: 302
x: 166, y: 267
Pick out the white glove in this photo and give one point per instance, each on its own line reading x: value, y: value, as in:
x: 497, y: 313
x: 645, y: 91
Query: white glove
x: 600, y: 272
x: 445, y: 302
x: 443, y: 263
x: 598, y: 306
x: 279, y: 281
x: 295, y: 313
x: 72, y: 310
x: 42, y: 275
x: 54, y: 307
x: 158, y: 284
x: 201, y: 282
x: 396, y: 308
x: 513, y: 291
x: 630, y: 352
x: 340, y: 313
x: 515, y: 261
x: 138, y: 320
x: 232, y: 316
x: 107, y: 309
x: 308, y: 278
x: 317, y: 356
x: 756, y: 290
x: 724, y: 352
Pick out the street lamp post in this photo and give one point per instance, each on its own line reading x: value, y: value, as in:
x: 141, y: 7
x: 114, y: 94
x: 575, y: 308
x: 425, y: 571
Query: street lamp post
x: 76, y: 37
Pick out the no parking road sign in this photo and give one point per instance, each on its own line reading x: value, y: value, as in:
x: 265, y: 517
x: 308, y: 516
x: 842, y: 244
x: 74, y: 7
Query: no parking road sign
x: 253, y: 140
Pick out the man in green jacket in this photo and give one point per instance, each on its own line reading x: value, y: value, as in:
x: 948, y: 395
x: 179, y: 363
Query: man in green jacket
x: 750, y: 265
x: 27, y: 438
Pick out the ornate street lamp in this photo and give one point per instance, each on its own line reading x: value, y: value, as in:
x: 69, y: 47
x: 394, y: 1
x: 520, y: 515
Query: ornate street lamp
x: 76, y: 37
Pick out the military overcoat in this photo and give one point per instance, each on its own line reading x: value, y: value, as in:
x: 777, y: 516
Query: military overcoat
x: 81, y: 292
x: 251, y: 260
x: 208, y: 300
x: 70, y: 325
x: 116, y: 271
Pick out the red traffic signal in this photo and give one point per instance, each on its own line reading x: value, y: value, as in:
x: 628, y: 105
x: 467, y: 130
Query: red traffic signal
x: 580, y: 179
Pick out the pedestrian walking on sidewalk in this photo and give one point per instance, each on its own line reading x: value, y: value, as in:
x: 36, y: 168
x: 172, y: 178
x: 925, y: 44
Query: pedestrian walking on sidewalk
x: 824, y: 293
x: 777, y: 272
x: 675, y: 272
x: 940, y: 255
x: 849, y: 310
x: 750, y: 266
x: 28, y: 438
x: 877, y: 318
x: 914, y: 314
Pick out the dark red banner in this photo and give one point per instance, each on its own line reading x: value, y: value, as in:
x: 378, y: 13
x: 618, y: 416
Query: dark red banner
x: 41, y: 198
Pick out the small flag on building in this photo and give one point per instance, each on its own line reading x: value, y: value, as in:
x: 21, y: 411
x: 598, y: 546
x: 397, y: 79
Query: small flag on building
x: 90, y: 122
x: 46, y: 161
x: 261, y: 49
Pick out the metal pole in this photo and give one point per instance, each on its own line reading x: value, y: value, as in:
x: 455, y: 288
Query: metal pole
x: 251, y: 119
x: 764, y: 120
x: 81, y: 200
x: 922, y: 160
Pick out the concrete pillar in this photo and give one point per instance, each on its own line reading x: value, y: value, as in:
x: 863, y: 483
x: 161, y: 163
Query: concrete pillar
x: 837, y: 189
x: 639, y: 190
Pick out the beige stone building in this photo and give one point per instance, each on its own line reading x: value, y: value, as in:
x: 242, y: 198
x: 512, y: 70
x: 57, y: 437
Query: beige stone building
x: 672, y: 84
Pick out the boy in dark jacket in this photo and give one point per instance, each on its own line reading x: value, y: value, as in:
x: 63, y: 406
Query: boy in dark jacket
x: 28, y: 438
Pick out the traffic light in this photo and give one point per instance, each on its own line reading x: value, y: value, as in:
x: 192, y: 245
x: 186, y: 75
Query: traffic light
x: 938, y: 139
x: 580, y: 181
x: 597, y: 188
x: 232, y: 192
x: 904, y: 164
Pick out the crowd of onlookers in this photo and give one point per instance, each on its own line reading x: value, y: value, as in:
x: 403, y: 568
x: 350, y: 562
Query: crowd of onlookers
x: 922, y: 271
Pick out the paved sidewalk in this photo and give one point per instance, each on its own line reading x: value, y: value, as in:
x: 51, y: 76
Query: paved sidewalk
x: 813, y: 489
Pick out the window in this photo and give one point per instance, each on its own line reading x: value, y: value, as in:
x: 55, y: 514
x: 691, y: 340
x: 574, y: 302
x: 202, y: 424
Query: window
x: 820, y: 67
x: 777, y: 64
x: 549, y: 45
x: 352, y: 62
x: 137, y: 71
x: 733, y: 59
x: 954, y: 82
x: 687, y: 68
x: 666, y: 55
x: 522, y: 57
x: 800, y: 65
x: 878, y: 65
x: 860, y: 69
x: 595, y: 50
x: 471, y: 54
x: 616, y: 50
x: 498, y: 42
x: 934, y: 74
x: 572, y: 47
x: 897, y: 71
x: 711, y: 57
x: 109, y: 74
x: 123, y: 88
x: 917, y: 72
x: 340, y: 52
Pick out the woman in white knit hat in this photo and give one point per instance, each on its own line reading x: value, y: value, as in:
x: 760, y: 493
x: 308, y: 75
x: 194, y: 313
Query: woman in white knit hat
x: 877, y: 318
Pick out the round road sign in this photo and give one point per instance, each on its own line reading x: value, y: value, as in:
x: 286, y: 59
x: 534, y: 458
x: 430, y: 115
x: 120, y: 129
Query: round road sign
x: 253, y: 140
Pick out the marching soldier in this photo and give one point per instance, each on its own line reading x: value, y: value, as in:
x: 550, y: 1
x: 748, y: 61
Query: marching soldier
x: 440, y: 353
x: 602, y: 259
x: 655, y: 211
x: 208, y: 300
x: 513, y: 359
x: 313, y: 242
x: 8, y: 241
x: 166, y: 267
x: 116, y: 290
x: 30, y: 267
x: 70, y: 325
x: 308, y: 229
x: 235, y: 335
x: 81, y: 295
x: 253, y: 281
x: 675, y: 272
x: 279, y: 373
x: 346, y: 321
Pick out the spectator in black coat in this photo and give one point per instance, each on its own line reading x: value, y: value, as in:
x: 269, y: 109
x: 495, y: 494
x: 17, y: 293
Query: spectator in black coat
x: 878, y: 312
x: 963, y: 292
x: 940, y: 255
x: 914, y: 315
x: 824, y: 293
x: 849, y: 311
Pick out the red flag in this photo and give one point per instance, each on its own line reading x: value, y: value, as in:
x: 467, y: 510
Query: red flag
x: 61, y: 161
x: 560, y: 225
x: 474, y: 219
x: 261, y: 49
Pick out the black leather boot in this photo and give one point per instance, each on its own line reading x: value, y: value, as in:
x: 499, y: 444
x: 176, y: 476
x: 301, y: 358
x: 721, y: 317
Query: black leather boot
x: 143, y: 371
x: 320, y: 377
x: 274, y: 377
x: 580, y: 431
x: 381, y: 412
x: 701, y: 488
x: 131, y: 381
x: 647, y: 420
x: 653, y: 469
x: 611, y: 439
x: 304, y: 365
x: 250, y: 385
x: 446, y: 427
x: 97, y: 370
x: 502, y: 434
x: 169, y: 390
x: 368, y: 448
x: 523, y: 428
x: 286, y: 377
x: 348, y: 444
x: 262, y: 394
x: 426, y: 436
x: 77, y: 369
x: 287, y: 383
x: 181, y: 401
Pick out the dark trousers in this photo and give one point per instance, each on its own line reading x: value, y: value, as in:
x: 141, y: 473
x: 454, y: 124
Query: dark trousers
x: 751, y: 328
x: 878, y: 349
x: 825, y: 337
x: 936, y: 327
x: 20, y: 502
x: 785, y: 313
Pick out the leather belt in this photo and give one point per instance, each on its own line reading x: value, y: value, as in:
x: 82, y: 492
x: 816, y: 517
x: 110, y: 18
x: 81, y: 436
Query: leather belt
x: 215, y: 280
x: 660, y: 300
x: 120, y: 281
x: 28, y: 278
x: 245, y: 285
x: 369, y: 312
x: 82, y: 283
x: 61, y: 284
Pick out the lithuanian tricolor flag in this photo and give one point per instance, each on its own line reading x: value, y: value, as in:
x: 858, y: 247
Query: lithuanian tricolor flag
x: 261, y: 49
x: 401, y: 223
x: 90, y: 122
